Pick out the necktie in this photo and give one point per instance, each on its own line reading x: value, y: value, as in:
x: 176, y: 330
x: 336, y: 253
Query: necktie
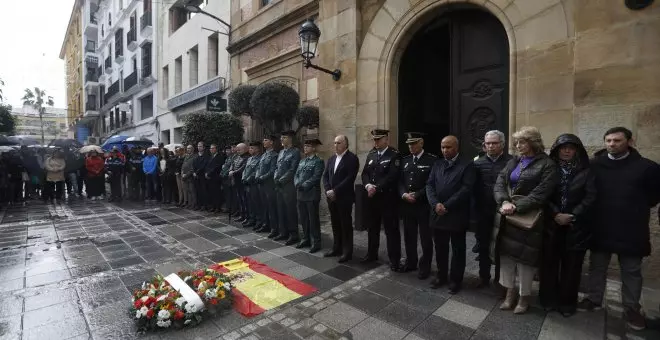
x: 379, y: 154
x: 415, y: 160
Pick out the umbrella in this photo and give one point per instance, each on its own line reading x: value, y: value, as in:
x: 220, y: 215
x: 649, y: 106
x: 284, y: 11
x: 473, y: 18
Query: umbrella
x: 23, y: 140
x: 116, y: 139
x: 65, y: 143
x: 6, y: 148
x: 138, y: 141
x: 90, y: 148
x: 172, y: 147
x: 5, y: 141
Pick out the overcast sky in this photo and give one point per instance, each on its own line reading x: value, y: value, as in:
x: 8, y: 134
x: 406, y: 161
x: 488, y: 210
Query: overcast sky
x: 31, y: 35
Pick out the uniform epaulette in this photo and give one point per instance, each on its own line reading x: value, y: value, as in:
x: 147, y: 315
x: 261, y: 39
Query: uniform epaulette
x: 373, y: 151
x: 407, y: 156
x: 432, y: 155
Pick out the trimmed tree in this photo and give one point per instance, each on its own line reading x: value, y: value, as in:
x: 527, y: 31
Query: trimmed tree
x: 212, y: 128
x: 307, y: 116
x: 239, y: 100
x: 7, y: 120
x: 274, y: 105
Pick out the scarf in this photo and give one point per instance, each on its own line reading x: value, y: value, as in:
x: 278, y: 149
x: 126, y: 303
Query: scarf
x: 567, y: 170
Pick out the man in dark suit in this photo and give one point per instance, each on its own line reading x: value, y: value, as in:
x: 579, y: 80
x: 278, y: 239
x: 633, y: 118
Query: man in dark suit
x: 449, y: 190
x: 415, y: 171
x: 338, y: 178
x: 380, y: 178
x: 212, y: 176
x: 199, y: 166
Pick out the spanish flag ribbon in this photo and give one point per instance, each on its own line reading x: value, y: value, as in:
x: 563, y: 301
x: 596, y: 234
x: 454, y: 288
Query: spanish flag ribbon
x: 258, y: 288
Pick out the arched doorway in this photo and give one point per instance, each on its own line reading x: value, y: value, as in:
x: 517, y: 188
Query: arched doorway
x: 454, y: 79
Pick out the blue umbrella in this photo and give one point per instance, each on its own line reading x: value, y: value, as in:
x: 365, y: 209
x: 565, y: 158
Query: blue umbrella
x: 113, y: 141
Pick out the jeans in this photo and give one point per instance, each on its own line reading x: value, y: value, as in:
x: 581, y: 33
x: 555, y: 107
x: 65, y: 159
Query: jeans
x: 152, y: 186
x: 631, y: 278
x: 73, y: 180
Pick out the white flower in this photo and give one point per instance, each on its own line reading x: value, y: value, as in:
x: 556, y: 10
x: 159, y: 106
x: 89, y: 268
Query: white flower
x: 227, y: 286
x: 144, y: 285
x: 138, y: 314
x: 187, y: 322
x: 202, y: 285
x: 191, y: 308
x: 211, y: 293
x: 163, y: 323
x: 144, y: 298
x: 188, y: 278
x: 144, y: 310
x: 162, y: 297
x: 179, y: 301
x: 163, y: 314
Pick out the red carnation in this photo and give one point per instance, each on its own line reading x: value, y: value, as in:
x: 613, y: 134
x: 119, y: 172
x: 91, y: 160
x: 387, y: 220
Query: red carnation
x: 199, y: 273
x: 214, y: 301
x: 212, y: 280
x: 150, y: 314
x: 178, y: 315
x: 137, y: 304
x: 196, y: 283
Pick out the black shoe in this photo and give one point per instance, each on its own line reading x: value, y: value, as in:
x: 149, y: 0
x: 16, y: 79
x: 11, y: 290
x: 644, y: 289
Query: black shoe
x: 407, y: 268
x: 567, y: 312
x: 291, y: 241
x: 587, y: 305
x: 423, y: 275
x: 273, y: 234
x: 302, y: 244
x: 477, y: 258
x: 345, y: 258
x: 454, y: 288
x: 315, y: 248
x: 265, y: 229
x: 483, y: 283
x: 332, y: 253
x: 281, y: 238
x: 475, y: 248
x: 395, y: 267
x: 437, y: 283
x: 368, y: 259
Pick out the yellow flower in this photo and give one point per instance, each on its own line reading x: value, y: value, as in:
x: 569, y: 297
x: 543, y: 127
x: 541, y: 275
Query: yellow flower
x: 221, y: 294
x: 219, y: 283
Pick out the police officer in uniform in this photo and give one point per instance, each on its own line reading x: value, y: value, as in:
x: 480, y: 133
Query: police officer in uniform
x: 308, y: 187
x: 380, y: 177
x: 224, y: 175
x: 415, y: 170
x: 264, y: 177
x: 252, y: 187
x: 287, y: 163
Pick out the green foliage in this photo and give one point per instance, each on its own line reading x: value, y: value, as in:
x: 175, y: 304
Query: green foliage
x: 2, y: 83
x: 212, y: 128
x: 7, y: 121
x: 308, y: 116
x: 274, y: 104
x: 239, y: 100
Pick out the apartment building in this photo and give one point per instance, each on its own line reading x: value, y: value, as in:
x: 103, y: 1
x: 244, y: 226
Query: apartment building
x: 72, y: 54
x: 193, y: 63
x: 120, y: 85
x: 28, y: 123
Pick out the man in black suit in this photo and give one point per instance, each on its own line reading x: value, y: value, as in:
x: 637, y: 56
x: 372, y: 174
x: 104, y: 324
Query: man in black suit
x: 199, y: 166
x: 415, y: 171
x: 338, y: 178
x: 380, y: 178
x: 213, y: 181
x: 449, y: 190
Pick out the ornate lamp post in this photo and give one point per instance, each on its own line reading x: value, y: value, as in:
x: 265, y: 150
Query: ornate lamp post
x: 638, y: 4
x: 309, y: 35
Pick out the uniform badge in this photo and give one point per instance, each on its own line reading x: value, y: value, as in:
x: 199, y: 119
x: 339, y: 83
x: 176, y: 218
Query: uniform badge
x: 396, y: 162
x: 371, y: 161
x: 405, y: 166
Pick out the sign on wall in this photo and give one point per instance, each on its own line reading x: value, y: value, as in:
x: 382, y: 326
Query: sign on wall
x: 215, y: 103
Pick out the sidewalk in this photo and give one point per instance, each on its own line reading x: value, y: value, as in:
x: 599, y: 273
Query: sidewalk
x: 67, y: 272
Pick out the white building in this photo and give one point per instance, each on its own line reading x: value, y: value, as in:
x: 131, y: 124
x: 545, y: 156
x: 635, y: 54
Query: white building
x: 119, y: 73
x: 193, y: 63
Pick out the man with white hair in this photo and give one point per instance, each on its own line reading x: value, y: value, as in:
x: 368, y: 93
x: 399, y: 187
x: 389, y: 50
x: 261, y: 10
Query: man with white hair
x: 235, y: 175
x: 488, y: 166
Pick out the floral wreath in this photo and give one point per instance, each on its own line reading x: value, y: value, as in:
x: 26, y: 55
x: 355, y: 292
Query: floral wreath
x: 158, y: 305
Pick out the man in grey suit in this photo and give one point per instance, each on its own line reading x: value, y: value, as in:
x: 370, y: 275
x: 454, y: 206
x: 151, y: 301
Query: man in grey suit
x: 264, y: 178
x: 287, y: 163
x: 252, y: 187
x: 308, y: 185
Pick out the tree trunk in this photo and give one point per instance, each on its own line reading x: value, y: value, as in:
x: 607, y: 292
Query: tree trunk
x: 41, y: 120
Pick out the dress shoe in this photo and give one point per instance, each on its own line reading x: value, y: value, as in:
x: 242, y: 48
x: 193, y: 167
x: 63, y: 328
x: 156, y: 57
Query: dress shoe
x: 454, y: 288
x: 256, y: 227
x: 273, y: 234
x: 395, y: 267
x: 315, y: 248
x: 344, y: 258
x: 302, y: 244
x: 437, y: 283
x: 264, y: 229
x: 291, y: 241
x: 509, y: 300
x: 423, y: 275
x: 523, y: 305
x: 281, y: 238
x: 332, y: 253
x: 368, y: 259
x: 407, y: 268
x: 483, y: 283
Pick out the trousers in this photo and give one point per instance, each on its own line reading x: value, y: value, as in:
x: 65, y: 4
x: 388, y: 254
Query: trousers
x: 416, y: 221
x: 381, y: 209
x: 631, y: 278
x: 508, y: 271
x: 308, y: 214
x: 442, y: 239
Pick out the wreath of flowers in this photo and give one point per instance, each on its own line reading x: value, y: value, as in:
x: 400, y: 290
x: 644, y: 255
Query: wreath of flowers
x: 158, y: 305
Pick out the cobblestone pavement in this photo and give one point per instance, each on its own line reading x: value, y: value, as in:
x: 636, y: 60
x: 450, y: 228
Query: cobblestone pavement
x: 67, y: 271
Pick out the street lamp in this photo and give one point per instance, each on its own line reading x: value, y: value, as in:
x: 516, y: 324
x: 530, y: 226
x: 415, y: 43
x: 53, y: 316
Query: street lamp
x: 192, y: 8
x: 309, y: 35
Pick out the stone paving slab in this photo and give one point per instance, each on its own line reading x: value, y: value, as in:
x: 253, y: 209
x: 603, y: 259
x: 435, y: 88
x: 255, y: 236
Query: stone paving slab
x: 68, y: 271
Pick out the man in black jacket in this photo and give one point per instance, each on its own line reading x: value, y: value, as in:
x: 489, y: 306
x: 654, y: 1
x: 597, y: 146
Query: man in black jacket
x: 627, y: 186
x: 487, y: 167
x: 415, y: 171
x: 448, y: 190
x: 380, y: 178
x: 199, y: 168
x: 212, y: 176
x: 338, y: 178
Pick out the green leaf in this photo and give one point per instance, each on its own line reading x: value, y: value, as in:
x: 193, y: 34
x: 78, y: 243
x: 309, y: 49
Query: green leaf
x: 212, y: 128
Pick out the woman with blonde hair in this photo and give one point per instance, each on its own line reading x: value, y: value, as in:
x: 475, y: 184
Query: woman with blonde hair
x: 521, y: 192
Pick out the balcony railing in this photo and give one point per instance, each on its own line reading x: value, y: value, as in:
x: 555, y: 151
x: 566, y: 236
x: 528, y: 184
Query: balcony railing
x: 91, y: 62
x: 145, y: 20
x: 90, y: 46
x: 131, y: 80
x: 108, y: 62
x: 131, y: 36
x: 91, y: 105
x: 112, y: 90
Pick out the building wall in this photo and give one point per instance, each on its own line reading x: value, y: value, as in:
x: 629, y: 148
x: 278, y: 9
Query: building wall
x: 73, y: 64
x: 54, y: 122
x: 175, y: 44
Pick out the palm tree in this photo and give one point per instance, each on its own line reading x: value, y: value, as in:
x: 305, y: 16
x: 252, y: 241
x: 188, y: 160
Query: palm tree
x: 2, y: 83
x: 36, y: 100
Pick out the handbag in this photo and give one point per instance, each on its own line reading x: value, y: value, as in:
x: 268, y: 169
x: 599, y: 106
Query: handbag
x: 527, y: 220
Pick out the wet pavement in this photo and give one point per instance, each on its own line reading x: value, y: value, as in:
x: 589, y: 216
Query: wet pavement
x: 67, y: 271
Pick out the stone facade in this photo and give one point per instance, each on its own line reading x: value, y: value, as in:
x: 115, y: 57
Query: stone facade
x: 72, y: 54
x: 575, y: 66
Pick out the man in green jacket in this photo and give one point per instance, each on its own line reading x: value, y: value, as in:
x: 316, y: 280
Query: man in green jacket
x: 308, y: 187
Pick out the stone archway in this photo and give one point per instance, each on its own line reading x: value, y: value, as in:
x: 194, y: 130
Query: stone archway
x: 526, y: 24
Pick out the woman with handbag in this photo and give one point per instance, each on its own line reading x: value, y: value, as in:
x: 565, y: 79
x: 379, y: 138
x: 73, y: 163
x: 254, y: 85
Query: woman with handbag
x: 521, y: 192
x: 567, y: 233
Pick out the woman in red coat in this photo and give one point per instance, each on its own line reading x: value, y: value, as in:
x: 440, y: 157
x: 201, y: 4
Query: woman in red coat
x: 95, y: 180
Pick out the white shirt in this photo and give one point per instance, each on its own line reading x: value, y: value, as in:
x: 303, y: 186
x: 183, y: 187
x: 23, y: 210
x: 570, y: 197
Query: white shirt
x: 418, y: 156
x: 338, y: 159
x: 380, y: 153
x: 163, y: 165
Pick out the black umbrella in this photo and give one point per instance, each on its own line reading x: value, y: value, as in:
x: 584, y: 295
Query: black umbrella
x: 23, y: 140
x: 66, y: 143
x: 139, y: 141
x: 5, y: 141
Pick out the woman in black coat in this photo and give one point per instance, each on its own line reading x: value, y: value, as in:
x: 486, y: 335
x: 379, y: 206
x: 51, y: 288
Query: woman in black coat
x: 567, y: 231
x: 524, y: 185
